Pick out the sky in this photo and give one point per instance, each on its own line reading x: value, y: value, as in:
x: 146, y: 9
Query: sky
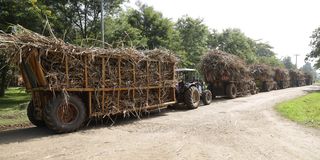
x: 284, y: 24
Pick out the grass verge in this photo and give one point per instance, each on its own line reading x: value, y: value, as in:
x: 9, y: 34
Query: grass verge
x: 304, y: 110
x: 13, y: 108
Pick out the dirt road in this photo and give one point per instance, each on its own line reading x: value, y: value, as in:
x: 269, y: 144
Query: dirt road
x: 243, y: 128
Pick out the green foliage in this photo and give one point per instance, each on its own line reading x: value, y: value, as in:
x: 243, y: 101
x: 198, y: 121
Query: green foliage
x: 120, y: 33
x: 28, y: 13
x: 315, y: 44
x: 78, y: 22
x: 264, y: 50
x: 307, y: 68
x: 194, y: 35
x: 213, y: 41
x: 271, y: 61
x: 13, y: 107
x: 80, y: 19
x: 265, y: 55
x: 158, y: 31
x: 305, y: 110
x: 288, y: 63
x: 235, y: 42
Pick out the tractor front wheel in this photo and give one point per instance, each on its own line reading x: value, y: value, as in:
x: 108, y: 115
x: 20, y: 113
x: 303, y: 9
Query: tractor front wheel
x: 192, y: 98
x: 206, y: 97
x: 65, y: 113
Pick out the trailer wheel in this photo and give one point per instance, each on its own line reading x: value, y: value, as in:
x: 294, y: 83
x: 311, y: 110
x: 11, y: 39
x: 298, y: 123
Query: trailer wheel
x: 31, y: 116
x: 65, y: 114
x: 231, y: 91
x: 192, y: 98
x: 206, y: 97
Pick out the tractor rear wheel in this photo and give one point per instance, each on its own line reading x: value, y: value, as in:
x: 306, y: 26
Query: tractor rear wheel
x: 192, y: 98
x: 65, y: 114
x: 231, y: 91
x: 32, y: 116
x: 206, y: 97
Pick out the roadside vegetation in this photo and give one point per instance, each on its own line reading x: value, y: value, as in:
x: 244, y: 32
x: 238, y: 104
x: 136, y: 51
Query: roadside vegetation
x: 304, y: 110
x: 13, y: 108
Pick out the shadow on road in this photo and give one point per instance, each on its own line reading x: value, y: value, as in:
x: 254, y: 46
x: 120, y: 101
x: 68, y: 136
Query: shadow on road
x: 23, y: 134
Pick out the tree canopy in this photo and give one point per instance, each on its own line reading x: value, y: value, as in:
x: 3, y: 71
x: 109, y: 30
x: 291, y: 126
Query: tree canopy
x: 194, y: 36
x: 315, y: 45
x: 288, y: 63
x: 78, y: 22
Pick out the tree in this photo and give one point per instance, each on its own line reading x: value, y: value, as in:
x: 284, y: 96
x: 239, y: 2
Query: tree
x: 235, y: 42
x: 158, y: 31
x: 264, y: 49
x: 213, y: 41
x: 80, y: 19
x: 27, y: 13
x: 315, y: 44
x: 194, y: 35
x: 265, y: 55
x: 288, y: 63
x: 120, y: 33
x: 307, y: 68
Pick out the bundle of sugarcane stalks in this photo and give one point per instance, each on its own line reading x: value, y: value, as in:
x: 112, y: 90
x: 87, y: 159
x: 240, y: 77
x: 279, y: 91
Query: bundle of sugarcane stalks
x: 218, y: 65
x: 308, y: 78
x: 108, y: 81
x: 226, y: 74
x: 282, y: 78
x: 297, y: 78
x: 264, y: 77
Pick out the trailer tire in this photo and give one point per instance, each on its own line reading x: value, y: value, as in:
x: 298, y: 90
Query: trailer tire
x: 31, y: 116
x: 206, y: 97
x: 231, y: 91
x: 64, y: 115
x: 192, y: 98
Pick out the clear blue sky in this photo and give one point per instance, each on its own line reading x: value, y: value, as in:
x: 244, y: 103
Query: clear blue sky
x: 284, y: 24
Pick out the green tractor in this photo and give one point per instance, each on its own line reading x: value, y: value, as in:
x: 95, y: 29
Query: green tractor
x: 191, y: 90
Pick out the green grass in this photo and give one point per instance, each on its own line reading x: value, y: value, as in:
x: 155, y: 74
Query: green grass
x: 304, y: 110
x: 13, y: 107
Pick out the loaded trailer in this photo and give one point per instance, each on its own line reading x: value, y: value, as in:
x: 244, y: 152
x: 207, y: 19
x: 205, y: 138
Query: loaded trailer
x: 264, y: 77
x: 308, y: 78
x: 73, y: 88
x: 70, y: 84
x: 297, y: 78
x: 226, y: 75
x: 282, y: 78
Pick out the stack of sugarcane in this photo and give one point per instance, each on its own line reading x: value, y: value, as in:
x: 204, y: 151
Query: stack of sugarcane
x: 218, y: 66
x: 297, y: 78
x: 264, y: 77
x: 282, y: 77
x: 308, y: 78
x: 64, y: 66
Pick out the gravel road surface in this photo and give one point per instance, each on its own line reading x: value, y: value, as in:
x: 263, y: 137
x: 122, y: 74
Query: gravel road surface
x: 240, y: 129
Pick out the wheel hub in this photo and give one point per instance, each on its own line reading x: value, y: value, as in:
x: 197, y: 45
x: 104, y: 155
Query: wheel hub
x: 67, y: 113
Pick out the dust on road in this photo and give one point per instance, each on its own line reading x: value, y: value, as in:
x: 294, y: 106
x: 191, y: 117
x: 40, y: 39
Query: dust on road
x: 243, y: 128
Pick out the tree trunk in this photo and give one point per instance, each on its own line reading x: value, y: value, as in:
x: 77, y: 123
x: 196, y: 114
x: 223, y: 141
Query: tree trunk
x: 3, y: 81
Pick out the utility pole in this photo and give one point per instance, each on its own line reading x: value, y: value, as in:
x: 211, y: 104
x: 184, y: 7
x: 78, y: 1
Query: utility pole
x: 102, y: 22
x: 296, y: 60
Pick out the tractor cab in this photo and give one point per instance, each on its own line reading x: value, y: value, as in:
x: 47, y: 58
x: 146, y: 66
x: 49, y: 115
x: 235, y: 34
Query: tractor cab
x: 187, y: 78
x: 190, y: 89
